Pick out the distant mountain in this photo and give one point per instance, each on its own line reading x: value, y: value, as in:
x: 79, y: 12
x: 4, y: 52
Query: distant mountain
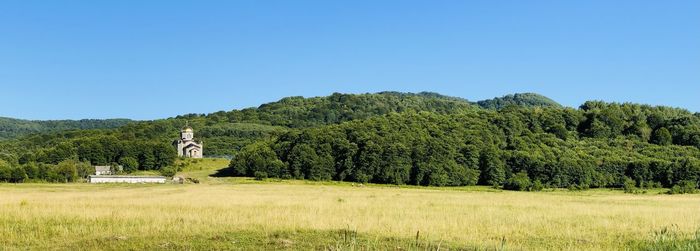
x: 519, y: 99
x: 13, y: 128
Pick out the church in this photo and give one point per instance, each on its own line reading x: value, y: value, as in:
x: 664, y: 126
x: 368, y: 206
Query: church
x: 186, y: 146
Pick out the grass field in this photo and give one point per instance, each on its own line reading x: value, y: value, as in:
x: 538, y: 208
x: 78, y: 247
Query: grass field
x: 238, y: 213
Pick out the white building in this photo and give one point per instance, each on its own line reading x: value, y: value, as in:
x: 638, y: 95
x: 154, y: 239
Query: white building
x: 103, y: 170
x: 125, y: 179
x: 186, y: 146
x: 107, y: 170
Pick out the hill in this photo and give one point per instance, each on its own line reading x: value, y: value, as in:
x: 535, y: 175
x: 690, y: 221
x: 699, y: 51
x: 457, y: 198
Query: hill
x: 519, y: 99
x: 405, y: 138
x: 226, y: 132
x: 13, y: 128
x: 297, y: 112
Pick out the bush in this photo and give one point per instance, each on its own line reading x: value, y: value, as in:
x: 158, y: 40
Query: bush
x: 168, y: 171
x: 629, y: 186
x: 260, y: 175
x: 683, y: 187
x: 651, y: 184
x: 519, y: 182
x: 18, y: 175
x: 66, y: 171
x: 537, y: 186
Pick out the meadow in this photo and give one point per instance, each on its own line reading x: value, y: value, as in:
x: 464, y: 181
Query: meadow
x: 242, y: 213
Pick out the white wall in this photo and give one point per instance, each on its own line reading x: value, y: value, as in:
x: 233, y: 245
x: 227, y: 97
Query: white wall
x: 108, y: 179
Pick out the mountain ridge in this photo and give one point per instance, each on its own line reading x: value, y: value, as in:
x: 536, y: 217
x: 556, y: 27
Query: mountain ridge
x: 13, y: 128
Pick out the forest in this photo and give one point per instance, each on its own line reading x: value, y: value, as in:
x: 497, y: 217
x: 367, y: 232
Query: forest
x: 14, y: 128
x: 518, y: 142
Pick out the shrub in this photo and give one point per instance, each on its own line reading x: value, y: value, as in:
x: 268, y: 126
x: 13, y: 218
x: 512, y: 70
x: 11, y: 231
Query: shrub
x: 519, y: 182
x: 260, y: 175
x: 18, y: 175
x: 651, y: 184
x: 537, y: 186
x: 168, y: 171
x: 629, y: 186
x: 683, y: 187
x: 66, y: 171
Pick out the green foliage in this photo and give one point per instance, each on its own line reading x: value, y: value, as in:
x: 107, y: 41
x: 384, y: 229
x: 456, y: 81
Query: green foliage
x: 130, y: 164
x: 519, y: 182
x: 477, y: 146
x: 662, y: 136
x: 11, y: 173
x: 519, y: 99
x: 492, y: 168
x: 400, y: 138
x: 630, y: 186
x: 83, y: 169
x: 66, y: 171
x: 168, y: 171
x: 683, y: 187
x: 537, y: 186
x: 257, y: 157
x: 14, y: 128
x: 260, y: 175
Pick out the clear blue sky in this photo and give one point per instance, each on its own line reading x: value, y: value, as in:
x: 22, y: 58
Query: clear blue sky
x: 156, y: 59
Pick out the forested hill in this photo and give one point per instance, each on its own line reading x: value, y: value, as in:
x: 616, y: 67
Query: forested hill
x: 403, y: 138
x: 298, y: 112
x: 519, y: 99
x: 13, y: 128
x: 225, y: 132
x: 598, y: 145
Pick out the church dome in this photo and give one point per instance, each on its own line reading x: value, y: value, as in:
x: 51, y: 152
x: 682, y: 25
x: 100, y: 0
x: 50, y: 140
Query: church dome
x: 187, y: 129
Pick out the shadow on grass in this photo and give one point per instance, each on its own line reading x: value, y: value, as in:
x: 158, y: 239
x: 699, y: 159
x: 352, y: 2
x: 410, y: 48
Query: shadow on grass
x: 225, y: 172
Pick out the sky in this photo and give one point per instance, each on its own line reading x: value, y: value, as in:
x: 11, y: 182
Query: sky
x: 158, y: 59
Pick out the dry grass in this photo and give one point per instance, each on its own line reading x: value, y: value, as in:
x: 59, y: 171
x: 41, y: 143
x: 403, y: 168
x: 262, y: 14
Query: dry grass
x: 241, y: 213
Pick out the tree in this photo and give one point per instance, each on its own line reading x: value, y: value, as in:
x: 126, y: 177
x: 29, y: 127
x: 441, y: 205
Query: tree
x: 519, y: 182
x: 147, y: 160
x: 18, y: 175
x: 5, y: 171
x: 662, y: 136
x: 164, y: 155
x: 492, y: 168
x: 84, y: 169
x: 257, y: 157
x: 32, y: 170
x: 629, y: 186
x: 130, y: 164
x: 66, y: 171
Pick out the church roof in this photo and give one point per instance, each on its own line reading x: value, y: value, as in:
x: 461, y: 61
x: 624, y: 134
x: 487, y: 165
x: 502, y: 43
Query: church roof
x: 192, y: 145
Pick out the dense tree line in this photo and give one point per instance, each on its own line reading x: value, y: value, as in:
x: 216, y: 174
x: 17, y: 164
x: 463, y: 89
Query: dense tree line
x: 14, y: 128
x: 64, y: 171
x: 599, y: 145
